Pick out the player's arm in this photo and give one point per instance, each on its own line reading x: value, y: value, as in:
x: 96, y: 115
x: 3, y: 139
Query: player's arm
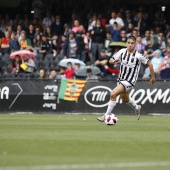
x: 152, y: 81
x: 112, y: 60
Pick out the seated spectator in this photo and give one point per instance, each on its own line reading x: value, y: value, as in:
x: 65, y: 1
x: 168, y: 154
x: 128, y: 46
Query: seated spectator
x: 165, y: 73
x: 149, y: 48
x: 48, y: 34
x: 102, y: 61
x: 123, y: 37
x: 56, y: 45
x: 55, y: 74
x: 156, y: 62
x: 15, y: 65
x: 13, y: 43
x: 25, y: 43
x: 66, y: 30
x: 42, y: 74
x: 115, y: 32
x: 5, y: 47
x: 114, y: 71
x: 69, y: 72
x: 166, y: 61
x: 45, y: 46
x: 76, y: 66
x: 90, y: 76
x: 30, y: 64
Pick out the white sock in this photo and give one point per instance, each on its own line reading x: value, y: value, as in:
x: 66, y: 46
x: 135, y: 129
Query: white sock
x: 132, y: 104
x: 110, y: 107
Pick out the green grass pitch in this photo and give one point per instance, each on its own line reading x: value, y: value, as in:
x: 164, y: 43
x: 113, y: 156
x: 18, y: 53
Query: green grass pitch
x: 58, y: 141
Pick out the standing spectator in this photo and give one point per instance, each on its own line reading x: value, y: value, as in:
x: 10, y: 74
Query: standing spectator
x: 76, y: 26
x: 70, y: 46
x: 45, y: 46
x: 5, y: 48
x: 98, y: 37
x: 115, y: 32
x: 140, y: 47
x: 30, y: 33
x: 57, y: 27
x: 25, y: 42
x: 141, y: 23
x: 128, y: 19
x: 69, y: 72
x: 13, y: 43
x: 115, y: 18
x: 48, y: 20
x: 37, y: 44
x: 80, y: 36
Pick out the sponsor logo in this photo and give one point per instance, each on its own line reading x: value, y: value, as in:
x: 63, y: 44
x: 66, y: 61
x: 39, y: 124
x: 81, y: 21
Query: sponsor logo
x: 97, y: 96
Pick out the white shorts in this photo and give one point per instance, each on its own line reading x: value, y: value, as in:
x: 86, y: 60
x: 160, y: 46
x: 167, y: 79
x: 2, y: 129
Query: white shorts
x: 126, y: 85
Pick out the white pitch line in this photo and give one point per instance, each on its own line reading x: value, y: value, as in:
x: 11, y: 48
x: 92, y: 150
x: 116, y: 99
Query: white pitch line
x: 87, y: 166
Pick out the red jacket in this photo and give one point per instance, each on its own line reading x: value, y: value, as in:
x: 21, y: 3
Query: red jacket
x: 69, y: 73
x: 115, y: 71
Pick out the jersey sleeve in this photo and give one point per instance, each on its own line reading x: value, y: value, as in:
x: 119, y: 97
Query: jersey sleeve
x: 143, y: 59
x: 118, y: 54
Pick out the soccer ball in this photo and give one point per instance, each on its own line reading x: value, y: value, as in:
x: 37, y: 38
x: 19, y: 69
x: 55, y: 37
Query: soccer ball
x: 111, y: 119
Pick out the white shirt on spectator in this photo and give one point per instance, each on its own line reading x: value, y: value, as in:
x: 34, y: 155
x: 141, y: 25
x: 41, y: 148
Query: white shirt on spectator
x: 118, y: 20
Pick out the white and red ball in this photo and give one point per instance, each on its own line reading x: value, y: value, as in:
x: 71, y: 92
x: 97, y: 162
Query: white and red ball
x: 111, y: 119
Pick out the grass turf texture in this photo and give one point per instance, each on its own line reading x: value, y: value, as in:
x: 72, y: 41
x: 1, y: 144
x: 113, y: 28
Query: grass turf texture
x: 28, y: 140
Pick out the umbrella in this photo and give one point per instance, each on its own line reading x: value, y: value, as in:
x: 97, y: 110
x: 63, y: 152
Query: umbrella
x: 63, y: 62
x: 114, y: 44
x: 22, y: 53
x: 82, y: 71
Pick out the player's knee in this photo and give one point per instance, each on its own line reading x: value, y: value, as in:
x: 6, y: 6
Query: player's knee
x: 125, y: 100
x: 113, y: 94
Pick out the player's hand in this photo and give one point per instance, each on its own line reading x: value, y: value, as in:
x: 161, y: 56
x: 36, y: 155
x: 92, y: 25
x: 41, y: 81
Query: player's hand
x: 152, y: 81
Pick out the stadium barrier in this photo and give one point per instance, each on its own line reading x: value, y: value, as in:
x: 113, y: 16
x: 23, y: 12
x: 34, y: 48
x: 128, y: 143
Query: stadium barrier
x: 42, y: 97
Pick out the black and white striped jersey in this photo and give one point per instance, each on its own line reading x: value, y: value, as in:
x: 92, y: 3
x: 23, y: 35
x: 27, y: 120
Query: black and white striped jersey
x: 130, y: 65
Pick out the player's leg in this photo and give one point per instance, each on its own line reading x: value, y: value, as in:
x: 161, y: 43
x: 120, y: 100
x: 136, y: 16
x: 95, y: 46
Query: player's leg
x: 112, y: 103
x: 129, y: 101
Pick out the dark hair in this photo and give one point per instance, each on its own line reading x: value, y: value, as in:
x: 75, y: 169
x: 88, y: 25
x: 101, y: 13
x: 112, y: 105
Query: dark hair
x: 132, y: 37
x: 89, y: 70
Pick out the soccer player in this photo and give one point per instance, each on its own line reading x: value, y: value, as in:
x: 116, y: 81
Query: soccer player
x: 129, y: 70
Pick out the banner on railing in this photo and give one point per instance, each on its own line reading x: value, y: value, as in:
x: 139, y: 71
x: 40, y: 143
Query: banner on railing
x: 42, y: 96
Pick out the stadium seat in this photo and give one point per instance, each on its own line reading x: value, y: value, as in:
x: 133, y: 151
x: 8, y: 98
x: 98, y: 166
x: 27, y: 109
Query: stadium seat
x: 39, y: 57
x: 49, y: 57
x: 32, y: 75
x: 165, y: 73
x: 44, y: 64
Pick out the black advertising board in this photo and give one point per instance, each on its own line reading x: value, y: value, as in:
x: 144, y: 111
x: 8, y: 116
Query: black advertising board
x: 42, y: 97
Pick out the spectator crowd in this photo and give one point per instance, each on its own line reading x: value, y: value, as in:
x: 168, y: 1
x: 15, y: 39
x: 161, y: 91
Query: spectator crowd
x: 51, y: 40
